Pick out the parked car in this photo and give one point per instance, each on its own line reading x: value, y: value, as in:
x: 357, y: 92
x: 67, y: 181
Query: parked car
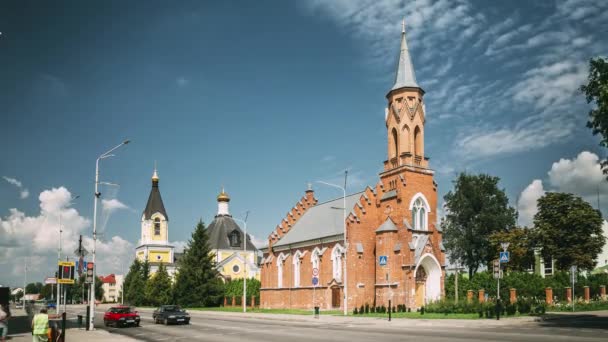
x: 170, y: 314
x: 120, y: 316
x: 51, y: 304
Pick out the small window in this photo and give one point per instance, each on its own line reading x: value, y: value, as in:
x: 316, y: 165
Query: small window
x: 549, y: 266
x: 236, y: 269
x: 235, y: 238
x: 157, y: 226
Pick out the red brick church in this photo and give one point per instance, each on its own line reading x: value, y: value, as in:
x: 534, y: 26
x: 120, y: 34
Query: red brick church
x: 393, y: 246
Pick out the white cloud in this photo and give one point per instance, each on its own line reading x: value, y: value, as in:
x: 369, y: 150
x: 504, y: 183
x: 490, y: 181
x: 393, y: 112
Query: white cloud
x: 179, y: 246
x: 36, y: 239
x: 259, y: 243
x: 526, y: 205
x: 581, y: 176
x: 23, y: 193
x: 111, y: 205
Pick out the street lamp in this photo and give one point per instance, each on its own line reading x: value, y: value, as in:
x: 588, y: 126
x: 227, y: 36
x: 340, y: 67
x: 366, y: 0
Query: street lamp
x: 97, y: 194
x: 345, y: 241
x: 244, y: 260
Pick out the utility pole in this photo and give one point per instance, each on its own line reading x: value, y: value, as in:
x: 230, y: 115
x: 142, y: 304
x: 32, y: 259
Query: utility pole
x: 58, y: 302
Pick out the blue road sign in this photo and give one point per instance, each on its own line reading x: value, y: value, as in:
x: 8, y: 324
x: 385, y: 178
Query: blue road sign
x: 315, y: 281
x: 383, y: 260
x: 504, y: 256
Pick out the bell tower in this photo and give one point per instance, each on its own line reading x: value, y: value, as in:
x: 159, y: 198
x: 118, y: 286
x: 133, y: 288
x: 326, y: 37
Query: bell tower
x: 405, y: 115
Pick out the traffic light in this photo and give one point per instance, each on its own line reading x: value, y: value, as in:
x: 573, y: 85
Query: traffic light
x: 65, y: 274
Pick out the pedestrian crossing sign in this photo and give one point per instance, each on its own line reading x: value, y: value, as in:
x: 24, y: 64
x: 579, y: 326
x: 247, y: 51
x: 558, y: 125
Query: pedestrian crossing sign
x: 383, y: 260
x: 504, y: 257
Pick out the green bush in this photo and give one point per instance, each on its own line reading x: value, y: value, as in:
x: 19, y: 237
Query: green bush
x: 510, y: 309
x: 524, y: 306
x: 366, y: 308
x: 355, y: 311
x: 361, y: 310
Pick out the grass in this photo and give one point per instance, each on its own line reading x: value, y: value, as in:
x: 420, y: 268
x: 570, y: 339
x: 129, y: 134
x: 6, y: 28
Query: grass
x: 417, y: 315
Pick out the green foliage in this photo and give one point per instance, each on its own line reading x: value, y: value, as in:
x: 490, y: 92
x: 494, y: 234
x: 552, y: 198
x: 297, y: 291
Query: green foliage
x: 569, y: 230
x: 134, y: 284
x: 197, y: 282
x: 235, y: 288
x: 47, y: 291
x: 596, y: 91
x: 520, y: 247
x: 158, y: 288
x: 33, y: 288
x: 476, y: 208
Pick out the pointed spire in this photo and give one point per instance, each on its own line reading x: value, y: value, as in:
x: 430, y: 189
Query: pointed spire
x: 155, y: 176
x: 405, y: 76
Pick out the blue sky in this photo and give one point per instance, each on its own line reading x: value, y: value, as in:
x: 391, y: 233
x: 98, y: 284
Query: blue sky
x: 263, y: 97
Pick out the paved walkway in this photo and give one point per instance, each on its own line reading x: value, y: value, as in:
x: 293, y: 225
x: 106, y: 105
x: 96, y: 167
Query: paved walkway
x: 79, y: 335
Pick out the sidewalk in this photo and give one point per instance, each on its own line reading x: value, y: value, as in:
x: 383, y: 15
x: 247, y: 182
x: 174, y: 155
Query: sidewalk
x: 79, y: 335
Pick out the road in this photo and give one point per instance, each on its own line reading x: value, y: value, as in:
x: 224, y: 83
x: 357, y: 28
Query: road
x: 206, y: 326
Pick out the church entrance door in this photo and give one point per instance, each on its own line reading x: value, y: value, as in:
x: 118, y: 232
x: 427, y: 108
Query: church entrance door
x: 420, y: 286
x: 335, y: 297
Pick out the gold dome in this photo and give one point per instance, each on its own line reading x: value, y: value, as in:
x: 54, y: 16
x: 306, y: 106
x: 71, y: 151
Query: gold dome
x: 223, y: 196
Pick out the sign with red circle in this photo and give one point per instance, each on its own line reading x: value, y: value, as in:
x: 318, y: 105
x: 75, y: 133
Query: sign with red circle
x: 315, y: 272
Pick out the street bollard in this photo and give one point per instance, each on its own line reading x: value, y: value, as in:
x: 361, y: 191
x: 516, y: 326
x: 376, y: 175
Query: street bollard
x: 316, y: 312
x: 79, y: 321
x: 63, y: 327
x: 88, y: 317
x: 389, y: 310
x: 498, y: 309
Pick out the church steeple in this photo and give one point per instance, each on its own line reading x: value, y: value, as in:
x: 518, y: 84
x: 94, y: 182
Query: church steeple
x: 155, y: 201
x: 405, y: 76
x: 405, y: 115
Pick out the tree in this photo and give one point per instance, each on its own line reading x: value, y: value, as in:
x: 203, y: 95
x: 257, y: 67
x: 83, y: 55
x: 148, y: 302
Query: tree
x: 33, y: 288
x: 476, y: 208
x: 197, y: 282
x: 134, y: 284
x: 597, y: 91
x: 47, y: 291
x: 520, y: 247
x: 158, y: 287
x: 569, y: 230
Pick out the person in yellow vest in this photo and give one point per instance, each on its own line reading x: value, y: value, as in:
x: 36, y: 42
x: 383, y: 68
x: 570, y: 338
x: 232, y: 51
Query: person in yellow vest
x: 40, y: 326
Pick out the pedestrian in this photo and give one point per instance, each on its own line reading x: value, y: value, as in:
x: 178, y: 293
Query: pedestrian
x: 5, y: 314
x: 40, y: 326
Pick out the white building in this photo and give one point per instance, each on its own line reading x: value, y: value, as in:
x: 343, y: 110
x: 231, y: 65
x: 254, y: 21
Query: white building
x: 112, y: 287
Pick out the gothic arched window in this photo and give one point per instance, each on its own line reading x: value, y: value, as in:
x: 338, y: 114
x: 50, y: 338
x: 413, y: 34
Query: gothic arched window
x: 336, y: 258
x: 157, y: 226
x: 417, y: 142
x: 235, y: 238
x: 296, y: 268
x: 419, y: 215
x: 395, y: 144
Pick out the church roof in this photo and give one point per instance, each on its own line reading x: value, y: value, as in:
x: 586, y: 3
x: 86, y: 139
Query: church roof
x: 387, y: 226
x: 322, y: 220
x: 155, y: 201
x: 219, y: 230
x: 405, y: 76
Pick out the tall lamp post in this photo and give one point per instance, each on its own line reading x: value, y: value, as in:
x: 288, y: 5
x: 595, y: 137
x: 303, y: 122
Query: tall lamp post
x: 345, y: 241
x: 244, y: 260
x: 97, y: 194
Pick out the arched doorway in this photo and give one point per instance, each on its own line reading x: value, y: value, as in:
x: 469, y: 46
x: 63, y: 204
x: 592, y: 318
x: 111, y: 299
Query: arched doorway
x: 428, y: 280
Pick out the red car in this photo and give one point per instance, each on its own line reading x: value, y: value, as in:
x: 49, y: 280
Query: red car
x: 121, y: 316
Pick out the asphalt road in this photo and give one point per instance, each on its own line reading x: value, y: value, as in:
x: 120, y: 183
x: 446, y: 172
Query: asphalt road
x: 213, y: 327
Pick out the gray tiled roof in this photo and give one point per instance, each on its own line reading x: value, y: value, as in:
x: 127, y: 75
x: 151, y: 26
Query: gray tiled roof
x: 387, y: 226
x: 155, y: 203
x: 389, y: 194
x: 405, y: 76
x: 322, y: 220
x: 218, y: 232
